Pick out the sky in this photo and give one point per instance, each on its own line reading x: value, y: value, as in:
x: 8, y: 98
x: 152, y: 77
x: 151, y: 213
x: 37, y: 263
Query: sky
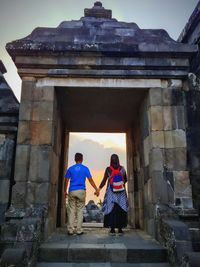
x: 97, y: 149
x: 18, y: 18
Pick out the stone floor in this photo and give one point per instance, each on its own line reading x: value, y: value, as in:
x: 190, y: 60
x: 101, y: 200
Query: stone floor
x: 95, y: 248
x: 94, y: 235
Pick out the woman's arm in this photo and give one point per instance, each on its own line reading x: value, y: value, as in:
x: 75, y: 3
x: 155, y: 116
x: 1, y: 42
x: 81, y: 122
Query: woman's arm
x: 105, y: 178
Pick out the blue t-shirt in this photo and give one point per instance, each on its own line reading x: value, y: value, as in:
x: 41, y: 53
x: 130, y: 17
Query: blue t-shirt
x: 77, y: 175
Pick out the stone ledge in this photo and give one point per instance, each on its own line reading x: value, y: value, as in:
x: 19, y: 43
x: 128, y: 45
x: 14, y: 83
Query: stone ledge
x: 14, y: 256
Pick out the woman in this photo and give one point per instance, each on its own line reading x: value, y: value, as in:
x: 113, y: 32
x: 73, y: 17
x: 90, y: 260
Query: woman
x: 115, y: 204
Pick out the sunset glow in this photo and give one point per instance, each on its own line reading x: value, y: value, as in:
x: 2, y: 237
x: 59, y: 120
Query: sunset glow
x: 97, y: 149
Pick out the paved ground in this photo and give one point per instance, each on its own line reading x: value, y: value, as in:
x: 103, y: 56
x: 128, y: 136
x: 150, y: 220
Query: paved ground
x: 97, y: 249
x: 131, y: 238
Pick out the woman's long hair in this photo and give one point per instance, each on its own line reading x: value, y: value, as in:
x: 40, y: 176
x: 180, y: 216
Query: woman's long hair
x: 114, y: 161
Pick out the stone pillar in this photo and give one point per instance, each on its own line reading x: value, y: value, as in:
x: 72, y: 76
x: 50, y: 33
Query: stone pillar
x: 63, y: 167
x: 130, y: 175
x: 165, y: 151
x: 37, y: 163
x: 193, y: 135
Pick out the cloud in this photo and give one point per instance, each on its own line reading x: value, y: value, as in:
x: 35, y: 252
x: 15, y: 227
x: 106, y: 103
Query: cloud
x: 96, y: 156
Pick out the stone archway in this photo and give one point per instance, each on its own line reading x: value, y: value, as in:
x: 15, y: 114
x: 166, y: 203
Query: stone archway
x: 98, y: 57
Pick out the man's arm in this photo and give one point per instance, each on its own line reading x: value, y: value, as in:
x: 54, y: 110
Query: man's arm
x: 94, y: 186
x: 66, y: 186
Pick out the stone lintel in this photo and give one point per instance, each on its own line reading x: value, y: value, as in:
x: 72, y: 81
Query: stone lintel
x: 90, y: 73
x: 96, y: 59
x: 99, y: 82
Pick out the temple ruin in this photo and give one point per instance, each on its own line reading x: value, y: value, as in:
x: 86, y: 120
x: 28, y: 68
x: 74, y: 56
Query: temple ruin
x: 97, y: 74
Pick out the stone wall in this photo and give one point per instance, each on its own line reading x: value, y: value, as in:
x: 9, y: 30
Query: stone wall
x: 38, y: 152
x: 193, y: 143
x: 160, y: 171
x: 191, y: 35
x: 7, y: 148
x: 8, y: 127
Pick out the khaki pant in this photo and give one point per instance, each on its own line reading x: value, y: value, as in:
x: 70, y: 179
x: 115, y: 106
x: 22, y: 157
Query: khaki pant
x: 76, y: 204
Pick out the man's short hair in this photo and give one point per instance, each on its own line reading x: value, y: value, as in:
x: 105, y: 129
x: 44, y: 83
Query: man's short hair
x: 78, y: 157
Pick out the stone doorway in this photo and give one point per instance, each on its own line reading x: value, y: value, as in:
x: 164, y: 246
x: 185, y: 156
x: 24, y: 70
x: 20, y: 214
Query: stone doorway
x: 101, y: 109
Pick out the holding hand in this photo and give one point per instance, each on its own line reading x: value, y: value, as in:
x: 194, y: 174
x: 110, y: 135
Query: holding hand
x: 97, y: 192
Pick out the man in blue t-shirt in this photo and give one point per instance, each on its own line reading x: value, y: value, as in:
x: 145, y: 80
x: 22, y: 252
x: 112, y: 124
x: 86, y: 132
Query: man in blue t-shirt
x: 77, y: 175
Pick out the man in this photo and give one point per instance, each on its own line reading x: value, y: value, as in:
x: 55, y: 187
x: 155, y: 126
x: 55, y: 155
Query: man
x: 77, y: 175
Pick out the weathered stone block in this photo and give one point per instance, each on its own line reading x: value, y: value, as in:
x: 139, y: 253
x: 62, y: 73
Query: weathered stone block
x: 42, y: 111
x: 145, y: 197
x: 187, y: 202
x: 159, y: 188
x: 157, y: 139
x: 193, y: 108
x: 146, y: 150
x: 180, y: 159
x: 156, y: 118
x: 40, y: 158
x: 37, y: 193
x: 24, y: 135
x: 167, y: 97
x: 9, y: 230
x: 131, y: 186
x: 2, y: 138
x: 155, y: 97
x: 141, y: 179
x: 182, y: 184
x: 6, y: 157
x: 3, y: 208
x: 28, y: 230
x: 116, y: 252
x: 25, y: 110
x: 81, y: 252
x: 178, y: 114
x: 168, y: 137
x: 175, y: 83
x: 176, y: 159
x: 55, y: 169
x: 177, y: 97
x: 19, y: 194
x: 146, y: 174
x: 43, y: 93
x: 27, y: 90
x: 194, y: 162
x: 156, y: 160
x: 22, y: 162
x: 145, y: 120
x: 140, y: 199
x: 151, y: 227
x: 4, y: 191
x: 14, y: 257
x: 167, y: 118
x: 149, y: 190
x: 3, y: 169
x: 179, y: 138
x: 41, y: 133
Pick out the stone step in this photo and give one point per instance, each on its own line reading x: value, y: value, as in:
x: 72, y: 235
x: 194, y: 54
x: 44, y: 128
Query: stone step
x: 195, y: 236
x: 101, y: 264
x: 113, y: 252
